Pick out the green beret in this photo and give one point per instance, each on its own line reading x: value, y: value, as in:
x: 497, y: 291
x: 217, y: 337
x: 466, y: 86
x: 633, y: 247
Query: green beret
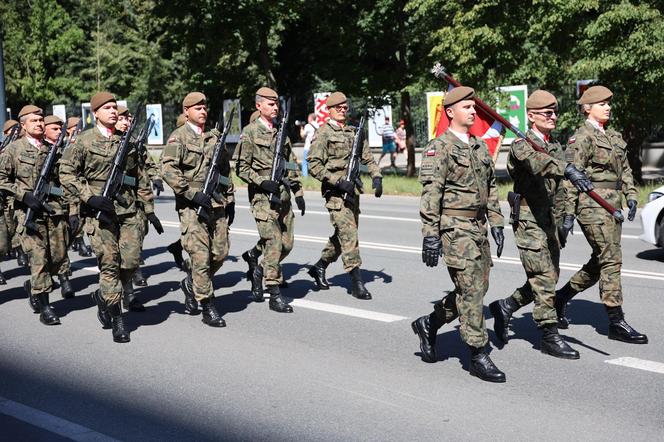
x: 335, y: 99
x: 458, y: 94
x: 266, y: 92
x: 53, y: 119
x: 595, y: 94
x: 541, y: 99
x: 29, y: 109
x: 194, y: 98
x: 99, y: 99
x: 8, y: 125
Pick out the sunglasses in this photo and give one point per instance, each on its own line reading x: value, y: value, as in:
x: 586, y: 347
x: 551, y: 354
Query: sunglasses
x: 341, y: 107
x: 547, y: 114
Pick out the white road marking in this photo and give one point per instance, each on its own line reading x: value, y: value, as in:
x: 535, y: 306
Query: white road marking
x: 49, y: 422
x: 641, y: 364
x: 347, y: 311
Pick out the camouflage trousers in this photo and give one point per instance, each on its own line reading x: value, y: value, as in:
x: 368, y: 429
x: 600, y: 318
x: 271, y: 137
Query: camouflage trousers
x: 276, y: 231
x: 117, y: 248
x: 5, y: 238
x: 344, y: 240
x: 207, y: 248
x: 468, y: 258
x: 604, y: 264
x: 540, y: 256
x: 46, y: 249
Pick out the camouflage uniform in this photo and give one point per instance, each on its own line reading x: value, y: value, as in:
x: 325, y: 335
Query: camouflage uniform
x: 604, y: 159
x: 84, y: 169
x: 184, y: 166
x: 275, y: 224
x: 459, y: 194
x: 328, y: 160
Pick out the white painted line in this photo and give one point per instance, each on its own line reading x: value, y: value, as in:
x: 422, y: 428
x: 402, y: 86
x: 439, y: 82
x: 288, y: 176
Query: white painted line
x: 347, y: 311
x: 49, y: 422
x: 641, y: 364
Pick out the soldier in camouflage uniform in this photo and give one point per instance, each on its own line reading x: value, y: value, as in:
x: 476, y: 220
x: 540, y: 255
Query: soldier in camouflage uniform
x: 536, y: 212
x: 46, y: 241
x: 10, y: 217
x: 175, y: 248
x: 6, y: 212
x: 78, y: 244
x: 458, y: 196
x: 84, y: 170
x: 275, y: 224
x: 184, y: 166
x: 329, y: 157
x: 600, y: 152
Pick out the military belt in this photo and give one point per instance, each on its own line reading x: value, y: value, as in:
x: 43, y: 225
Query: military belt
x: 468, y: 213
x: 613, y: 185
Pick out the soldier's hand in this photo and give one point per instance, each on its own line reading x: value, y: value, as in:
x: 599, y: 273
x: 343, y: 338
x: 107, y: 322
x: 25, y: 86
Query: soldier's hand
x: 102, y: 203
x: 578, y: 178
x: 565, y: 229
x: 30, y: 200
x: 345, y: 186
x: 230, y: 212
x: 270, y: 186
x: 74, y: 224
x: 377, y: 183
x: 155, y: 223
x: 432, y: 248
x: 158, y: 186
x: 499, y: 238
x: 632, y: 209
x: 299, y: 200
x: 202, y: 200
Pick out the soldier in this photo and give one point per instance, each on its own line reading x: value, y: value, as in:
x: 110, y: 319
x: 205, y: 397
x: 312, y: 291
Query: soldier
x: 84, y: 170
x: 45, y: 239
x: 175, y: 248
x: 329, y: 156
x: 10, y: 218
x: 6, y: 212
x: 537, y: 204
x: 458, y: 196
x: 78, y: 244
x: 185, y: 163
x: 274, y: 222
x: 600, y: 152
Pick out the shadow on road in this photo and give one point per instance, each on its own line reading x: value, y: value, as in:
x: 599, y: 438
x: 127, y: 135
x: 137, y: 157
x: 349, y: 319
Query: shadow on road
x: 652, y: 255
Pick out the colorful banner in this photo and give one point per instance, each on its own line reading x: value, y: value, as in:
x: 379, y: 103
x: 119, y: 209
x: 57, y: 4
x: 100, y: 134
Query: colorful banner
x: 322, y: 115
x: 156, y: 135
x: 434, y: 112
x: 582, y: 85
x: 516, y: 111
x: 376, y: 122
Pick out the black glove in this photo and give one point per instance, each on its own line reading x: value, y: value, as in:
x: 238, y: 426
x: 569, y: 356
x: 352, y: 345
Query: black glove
x: 102, y: 203
x: 158, y: 186
x: 565, y: 229
x: 499, y: 238
x: 155, y: 223
x: 377, y: 183
x: 230, y: 212
x: 432, y: 248
x: 74, y: 224
x: 299, y: 200
x: 632, y: 209
x: 578, y: 178
x: 30, y: 200
x: 270, y: 186
x: 345, y: 186
x: 202, y: 200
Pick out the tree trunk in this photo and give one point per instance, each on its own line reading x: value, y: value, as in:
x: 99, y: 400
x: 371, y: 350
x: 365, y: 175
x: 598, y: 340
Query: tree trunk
x: 410, y: 135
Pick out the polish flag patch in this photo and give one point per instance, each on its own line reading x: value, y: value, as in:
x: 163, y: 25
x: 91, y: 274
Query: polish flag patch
x: 430, y: 153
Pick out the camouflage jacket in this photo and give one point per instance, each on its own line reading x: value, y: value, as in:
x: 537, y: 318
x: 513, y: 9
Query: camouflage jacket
x: 538, y: 179
x: 456, y: 175
x: 254, y: 156
x: 20, y: 166
x: 185, y: 163
x: 86, y: 165
x: 603, y: 158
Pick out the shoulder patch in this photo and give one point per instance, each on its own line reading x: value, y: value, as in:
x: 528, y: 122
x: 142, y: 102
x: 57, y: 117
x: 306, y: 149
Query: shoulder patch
x: 571, y: 140
x: 430, y: 153
x: 171, y: 140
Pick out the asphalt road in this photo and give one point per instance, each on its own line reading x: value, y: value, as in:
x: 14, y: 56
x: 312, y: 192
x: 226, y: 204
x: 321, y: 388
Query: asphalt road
x: 337, y: 368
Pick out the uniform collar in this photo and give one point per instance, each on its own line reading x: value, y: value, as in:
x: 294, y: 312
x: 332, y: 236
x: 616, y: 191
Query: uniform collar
x: 597, y: 125
x: 463, y: 137
x: 105, y: 131
x: 540, y: 135
x: 335, y: 124
x: 266, y: 123
x: 36, y: 142
x: 197, y: 130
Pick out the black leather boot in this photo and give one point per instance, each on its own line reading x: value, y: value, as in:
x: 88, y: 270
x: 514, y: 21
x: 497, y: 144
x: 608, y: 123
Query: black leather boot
x: 66, y: 289
x: 483, y: 367
x: 175, y: 249
x: 426, y: 327
x: 563, y: 296
x: 21, y: 257
x: 74, y: 245
x: 47, y: 316
x: 190, y: 303
x: 139, y: 279
x: 120, y: 332
x: 358, y: 289
x: 620, y: 330
x: 257, y: 284
x: 277, y: 302
x: 129, y: 299
x: 102, y: 310
x: 211, y: 316
x: 84, y: 250
x: 553, y: 344
x: 251, y: 258
x: 32, y: 300
x: 502, y: 311
x: 3, y: 281
x: 318, y: 273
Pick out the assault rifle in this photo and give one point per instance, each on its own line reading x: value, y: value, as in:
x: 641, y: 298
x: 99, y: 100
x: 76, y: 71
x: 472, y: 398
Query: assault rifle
x: 354, y: 164
x: 11, y: 136
x: 279, y: 163
x: 143, y: 138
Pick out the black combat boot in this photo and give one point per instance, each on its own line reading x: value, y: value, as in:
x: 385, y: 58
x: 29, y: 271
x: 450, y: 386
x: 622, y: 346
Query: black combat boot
x: 257, y: 284
x: 120, y: 332
x: 483, y: 367
x: 251, y: 258
x: 175, y: 249
x: 277, y: 302
x: 211, y: 316
x: 84, y: 250
x: 139, y: 279
x: 102, y: 310
x: 21, y: 257
x: 318, y: 273
x: 66, y: 289
x: 190, y: 303
x: 3, y: 281
x: 553, y: 344
x: 502, y: 311
x: 358, y: 289
x: 32, y: 300
x: 426, y: 327
x: 130, y: 300
x: 619, y: 330
x: 74, y: 245
x: 563, y: 296
x: 47, y: 316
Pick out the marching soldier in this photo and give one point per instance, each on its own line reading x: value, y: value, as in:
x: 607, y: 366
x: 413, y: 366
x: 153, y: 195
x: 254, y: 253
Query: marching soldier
x: 84, y: 170
x: 275, y: 223
x: 329, y: 157
x: 184, y: 165
x: 458, y: 196
x: 175, y: 248
x: 10, y: 218
x: 600, y: 152
x: 78, y: 244
x: 536, y: 207
x: 6, y: 212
